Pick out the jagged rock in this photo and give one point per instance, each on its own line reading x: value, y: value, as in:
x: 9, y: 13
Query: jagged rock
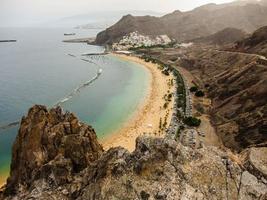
x: 159, y: 168
x: 256, y: 161
x: 50, y: 145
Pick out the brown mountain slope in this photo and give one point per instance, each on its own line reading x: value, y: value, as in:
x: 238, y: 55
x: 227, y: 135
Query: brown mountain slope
x: 256, y: 43
x: 145, y: 25
x: 225, y: 36
x: 200, y: 22
x: 237, y: 85
x: 238, y: 89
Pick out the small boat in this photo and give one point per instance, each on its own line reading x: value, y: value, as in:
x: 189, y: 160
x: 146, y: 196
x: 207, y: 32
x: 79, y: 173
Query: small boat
x: 68, y: 34
x: 8, y: 40
x: 94, y: 54
x: 99, y: 71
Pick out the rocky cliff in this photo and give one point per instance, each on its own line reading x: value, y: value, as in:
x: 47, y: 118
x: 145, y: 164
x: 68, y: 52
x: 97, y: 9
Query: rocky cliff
x: 200, y: 22
x: 57, y: 157
x: 256, y: 43
x: 50, y: 145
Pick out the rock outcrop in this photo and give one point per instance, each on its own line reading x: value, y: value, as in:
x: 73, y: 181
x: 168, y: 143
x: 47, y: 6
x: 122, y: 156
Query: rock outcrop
x: 256, y: 43
x: 57, y: 157
x: 50, y: 142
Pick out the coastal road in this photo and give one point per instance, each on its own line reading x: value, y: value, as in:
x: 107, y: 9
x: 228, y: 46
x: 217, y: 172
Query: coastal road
x: 240, y: 53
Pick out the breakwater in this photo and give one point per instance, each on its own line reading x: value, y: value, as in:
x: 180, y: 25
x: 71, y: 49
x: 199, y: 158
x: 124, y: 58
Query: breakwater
x: 69, y: 96
x: 78, y: 89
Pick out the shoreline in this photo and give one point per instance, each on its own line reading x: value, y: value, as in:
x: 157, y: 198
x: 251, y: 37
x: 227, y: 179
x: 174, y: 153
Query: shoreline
x: 146, y: 119
x: 149, y: 111
x: 3, y: 178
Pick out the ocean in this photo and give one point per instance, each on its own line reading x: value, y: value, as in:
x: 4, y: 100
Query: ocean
x: 40, y: 69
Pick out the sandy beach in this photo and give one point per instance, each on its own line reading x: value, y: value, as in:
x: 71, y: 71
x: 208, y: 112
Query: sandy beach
x: 3, y: 178
x: 151, y: 113
x: 147, y: 117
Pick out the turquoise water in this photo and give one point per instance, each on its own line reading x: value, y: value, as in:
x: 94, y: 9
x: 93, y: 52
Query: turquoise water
x: 38, y: 70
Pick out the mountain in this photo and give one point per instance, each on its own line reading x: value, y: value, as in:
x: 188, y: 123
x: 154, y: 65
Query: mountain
x: 97, y: 19
x: 225, y: 36
x: 200, y: 22
x: 57, y: 157
x: 256, y: 43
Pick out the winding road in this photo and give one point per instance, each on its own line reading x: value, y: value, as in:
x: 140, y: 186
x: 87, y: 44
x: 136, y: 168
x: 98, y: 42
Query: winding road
x: 241, y: 53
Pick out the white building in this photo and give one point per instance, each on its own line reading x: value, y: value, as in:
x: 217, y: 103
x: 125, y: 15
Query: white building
x: 134, y: 40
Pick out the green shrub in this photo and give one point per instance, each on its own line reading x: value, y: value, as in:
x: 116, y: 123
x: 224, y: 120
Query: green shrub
x: 192, y: 121
x: 193, y: 89
x: 199, y: 93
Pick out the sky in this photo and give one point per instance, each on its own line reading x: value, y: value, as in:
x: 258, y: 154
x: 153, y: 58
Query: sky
x: 32, y: 12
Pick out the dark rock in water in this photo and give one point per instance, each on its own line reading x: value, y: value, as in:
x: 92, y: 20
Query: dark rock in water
x: 57, y: 157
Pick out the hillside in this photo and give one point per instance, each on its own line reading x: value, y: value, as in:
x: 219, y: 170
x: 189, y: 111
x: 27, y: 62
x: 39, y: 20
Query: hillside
x: 225, y: 36
x: 236, y: 83
x: 200, y: 22
x: 57, y: 157
x: 238, y: 89
x: 256, y: 43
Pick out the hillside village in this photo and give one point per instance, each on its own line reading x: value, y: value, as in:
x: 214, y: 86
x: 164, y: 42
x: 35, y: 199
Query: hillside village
x: 135, y: 40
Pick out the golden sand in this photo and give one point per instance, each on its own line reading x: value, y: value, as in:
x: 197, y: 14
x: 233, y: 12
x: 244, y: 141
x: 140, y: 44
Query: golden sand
x: 146, y: 120
x: 147, y: 117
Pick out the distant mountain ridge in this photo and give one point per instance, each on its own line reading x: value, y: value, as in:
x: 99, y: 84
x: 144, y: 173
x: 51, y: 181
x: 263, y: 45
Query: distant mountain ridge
x: 97, y: 19
x: 200, y: 22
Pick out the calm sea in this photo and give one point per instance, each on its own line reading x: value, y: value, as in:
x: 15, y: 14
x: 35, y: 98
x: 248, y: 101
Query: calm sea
x: 38, y: 70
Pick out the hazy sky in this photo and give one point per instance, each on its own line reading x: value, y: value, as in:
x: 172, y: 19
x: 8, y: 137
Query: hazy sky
x: 28, y: 12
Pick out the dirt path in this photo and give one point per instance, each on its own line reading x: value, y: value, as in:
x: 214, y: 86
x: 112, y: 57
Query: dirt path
x: 206, y: 127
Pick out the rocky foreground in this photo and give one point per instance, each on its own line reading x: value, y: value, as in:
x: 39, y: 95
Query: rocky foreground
x: 57, y: 157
